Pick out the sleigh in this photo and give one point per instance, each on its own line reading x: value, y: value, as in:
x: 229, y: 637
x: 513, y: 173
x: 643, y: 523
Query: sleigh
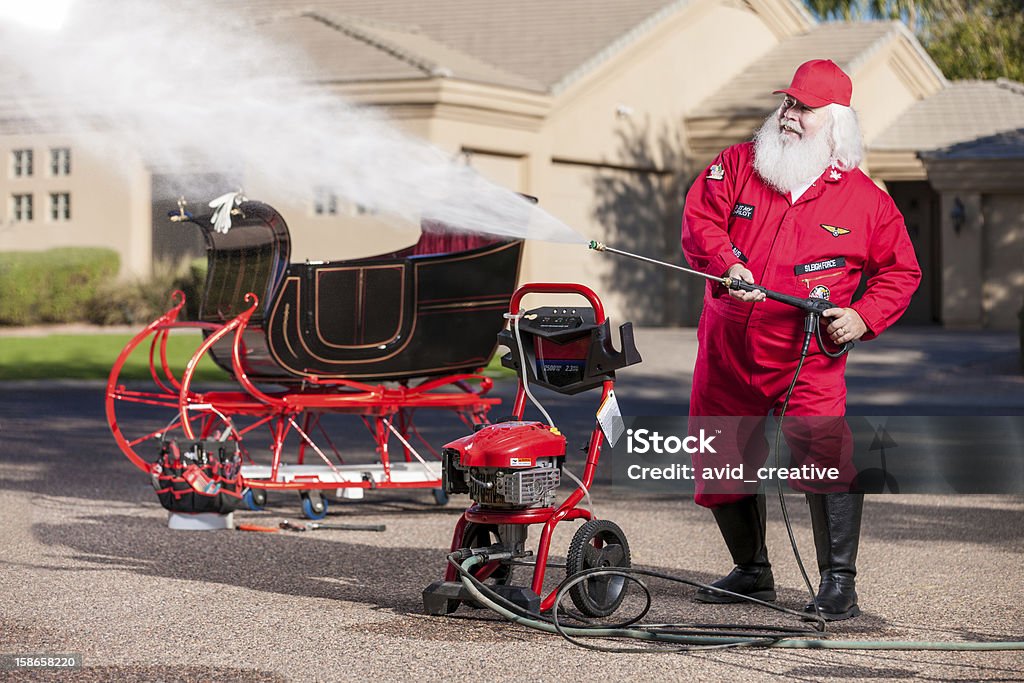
x: 384, y: 339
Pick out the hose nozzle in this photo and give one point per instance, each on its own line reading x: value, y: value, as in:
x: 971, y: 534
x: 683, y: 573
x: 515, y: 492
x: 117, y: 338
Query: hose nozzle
x: 597, y: 246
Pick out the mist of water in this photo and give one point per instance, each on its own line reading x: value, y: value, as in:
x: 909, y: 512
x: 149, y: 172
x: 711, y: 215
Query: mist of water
x: 196, y: 90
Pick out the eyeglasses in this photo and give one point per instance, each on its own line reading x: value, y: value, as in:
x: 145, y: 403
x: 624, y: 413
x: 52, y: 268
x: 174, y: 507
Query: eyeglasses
x: 791, y: 103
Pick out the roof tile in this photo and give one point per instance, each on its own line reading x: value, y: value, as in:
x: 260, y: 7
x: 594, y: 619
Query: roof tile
x: 962, y: 112
x: 528, y: 43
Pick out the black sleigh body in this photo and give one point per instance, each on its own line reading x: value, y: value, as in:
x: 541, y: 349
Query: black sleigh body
x: 421, y: 312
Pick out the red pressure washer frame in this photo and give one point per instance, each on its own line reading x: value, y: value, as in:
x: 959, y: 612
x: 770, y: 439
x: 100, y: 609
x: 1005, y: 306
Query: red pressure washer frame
x: 548, y: 516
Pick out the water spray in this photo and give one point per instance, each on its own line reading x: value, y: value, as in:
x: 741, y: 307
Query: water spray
x: 228, y: 87
x: 812, y: 306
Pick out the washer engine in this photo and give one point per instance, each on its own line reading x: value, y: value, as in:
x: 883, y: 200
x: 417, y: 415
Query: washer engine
x: 508, y: 465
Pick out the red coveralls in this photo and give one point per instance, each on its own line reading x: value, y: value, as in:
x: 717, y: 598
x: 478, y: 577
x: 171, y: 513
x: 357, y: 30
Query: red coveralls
x: 841, y: 227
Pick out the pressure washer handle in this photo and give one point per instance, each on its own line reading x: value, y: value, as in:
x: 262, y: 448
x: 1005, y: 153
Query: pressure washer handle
x: 841, y: 351
x: 558, y: 288
x: 812, y: 306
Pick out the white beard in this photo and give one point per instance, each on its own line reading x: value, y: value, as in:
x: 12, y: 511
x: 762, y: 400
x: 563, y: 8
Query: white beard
x: 786, y: 164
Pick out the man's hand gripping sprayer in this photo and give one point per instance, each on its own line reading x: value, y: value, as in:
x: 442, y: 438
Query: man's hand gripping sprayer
x: 813, y: 307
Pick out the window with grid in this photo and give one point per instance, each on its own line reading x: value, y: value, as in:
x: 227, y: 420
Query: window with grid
x: 325, y: 202
x: 60, y: 161
x: 60, y: 206
x: 21, y: 163
x: 21, y: 207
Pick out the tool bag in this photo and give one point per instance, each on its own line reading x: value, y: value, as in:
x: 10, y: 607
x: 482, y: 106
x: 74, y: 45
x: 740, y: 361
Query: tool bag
x: 199, y: 476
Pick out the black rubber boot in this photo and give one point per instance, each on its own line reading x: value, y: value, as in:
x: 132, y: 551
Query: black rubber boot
x: 743, y: 527
x: 835, y: 519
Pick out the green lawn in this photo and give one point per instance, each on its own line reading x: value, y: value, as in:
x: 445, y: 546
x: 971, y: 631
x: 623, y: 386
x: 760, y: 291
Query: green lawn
x: 90, y: 356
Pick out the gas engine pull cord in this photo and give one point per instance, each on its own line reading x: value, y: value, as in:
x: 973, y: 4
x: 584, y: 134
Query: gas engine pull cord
x: 526, y: 388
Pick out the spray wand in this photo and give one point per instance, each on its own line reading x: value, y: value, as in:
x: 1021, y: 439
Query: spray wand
x: 812, y: 306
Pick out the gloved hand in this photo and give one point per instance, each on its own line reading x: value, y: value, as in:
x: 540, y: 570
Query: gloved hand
x: 222, y: 207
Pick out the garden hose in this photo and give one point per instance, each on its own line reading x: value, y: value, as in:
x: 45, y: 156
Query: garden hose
x: 684, y: 637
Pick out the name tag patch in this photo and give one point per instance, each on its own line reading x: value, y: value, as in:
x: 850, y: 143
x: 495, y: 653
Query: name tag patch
x: 743, y: 211
x: 828, y: 264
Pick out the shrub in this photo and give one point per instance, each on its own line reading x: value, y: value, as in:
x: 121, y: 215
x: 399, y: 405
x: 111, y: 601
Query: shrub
x: 53, y: 286
x: 141, y: 301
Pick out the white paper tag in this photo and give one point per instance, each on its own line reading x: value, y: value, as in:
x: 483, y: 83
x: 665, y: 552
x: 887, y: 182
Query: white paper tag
x: 610, y: 419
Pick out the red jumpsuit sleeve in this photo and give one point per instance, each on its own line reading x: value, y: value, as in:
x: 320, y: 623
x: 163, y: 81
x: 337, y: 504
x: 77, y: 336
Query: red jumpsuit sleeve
x: 892, y: 271
x: 705, y: 241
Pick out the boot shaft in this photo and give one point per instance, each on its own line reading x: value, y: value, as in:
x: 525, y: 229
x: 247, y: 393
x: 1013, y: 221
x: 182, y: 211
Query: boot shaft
x: 836, y: 521
x: 743, y: 525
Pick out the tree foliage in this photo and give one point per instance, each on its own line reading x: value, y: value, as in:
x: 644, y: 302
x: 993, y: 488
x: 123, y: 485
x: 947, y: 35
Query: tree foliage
x: 966, y: 38
x: 987, y: 42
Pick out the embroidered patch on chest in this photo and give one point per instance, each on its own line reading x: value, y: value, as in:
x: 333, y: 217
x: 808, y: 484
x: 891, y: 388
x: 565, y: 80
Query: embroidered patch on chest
x: 820, y: 292
x: 716, y: 172
x: 829, y: 264
x: 743, y: 211
x: 836, y: 232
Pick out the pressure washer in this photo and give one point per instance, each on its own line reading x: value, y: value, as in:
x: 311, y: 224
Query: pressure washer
x: 512, y: 469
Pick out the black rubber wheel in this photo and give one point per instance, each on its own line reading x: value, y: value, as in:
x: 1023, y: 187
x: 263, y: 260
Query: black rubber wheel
x: 598, y: 543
